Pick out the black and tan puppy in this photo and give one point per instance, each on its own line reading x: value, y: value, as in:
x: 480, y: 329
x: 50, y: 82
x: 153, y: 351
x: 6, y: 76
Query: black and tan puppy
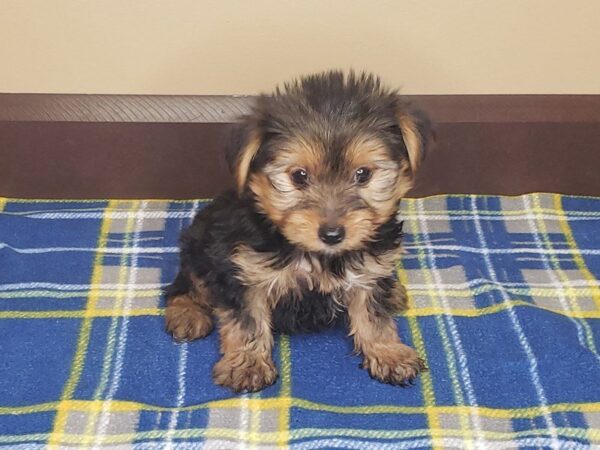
x: 311, y: 235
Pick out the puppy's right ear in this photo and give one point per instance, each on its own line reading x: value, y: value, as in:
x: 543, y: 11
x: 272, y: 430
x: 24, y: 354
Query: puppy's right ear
x: 245, y: 142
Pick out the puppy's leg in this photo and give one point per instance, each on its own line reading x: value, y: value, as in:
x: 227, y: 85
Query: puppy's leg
x: 376, y: 337
x: 398, y: 299
x: 188, y: 312
x: 246, y: 345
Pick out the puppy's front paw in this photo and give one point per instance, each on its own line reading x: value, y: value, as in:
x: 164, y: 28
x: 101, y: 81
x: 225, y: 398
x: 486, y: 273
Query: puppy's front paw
x: 245, y: 372
x: 395, y: 364
x: 185, y: 321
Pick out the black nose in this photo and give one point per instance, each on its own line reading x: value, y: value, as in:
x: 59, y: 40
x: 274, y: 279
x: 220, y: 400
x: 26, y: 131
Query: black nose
x: 331, y: 235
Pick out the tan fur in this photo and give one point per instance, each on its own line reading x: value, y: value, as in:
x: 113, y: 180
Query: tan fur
x: 302, y: 228
x: 302, y: 152
x: 412, y: 139
x: 246, y: 364
x: 268, y: 199
x: 382, y: 192
x: 276, y: 194
x: 384, y: 355
x: 406, y: 181
x: 366, y: 151
x: 188, y: 317
x: 399, y: 297
x: 245, y: 158
x: 255, y: 270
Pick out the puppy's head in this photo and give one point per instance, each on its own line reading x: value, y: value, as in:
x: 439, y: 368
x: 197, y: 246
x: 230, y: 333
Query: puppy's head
x: 328, y: 157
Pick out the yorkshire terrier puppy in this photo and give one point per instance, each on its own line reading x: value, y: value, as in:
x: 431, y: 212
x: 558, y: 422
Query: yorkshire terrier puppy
x: 311, y: 234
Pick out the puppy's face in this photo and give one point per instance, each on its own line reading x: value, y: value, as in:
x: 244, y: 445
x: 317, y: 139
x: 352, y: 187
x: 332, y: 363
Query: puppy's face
x: 329, y: 159
x: 329, y: 197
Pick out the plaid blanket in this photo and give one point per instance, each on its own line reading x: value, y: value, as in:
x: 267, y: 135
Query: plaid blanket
x: 505, y: 308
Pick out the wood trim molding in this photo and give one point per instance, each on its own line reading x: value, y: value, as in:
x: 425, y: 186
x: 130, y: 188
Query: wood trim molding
x: 126, y: 146
x: 227, y: 109
x: 122, y: 108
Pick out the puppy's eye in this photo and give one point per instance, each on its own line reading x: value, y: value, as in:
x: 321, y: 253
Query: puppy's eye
x: 362, y: 175
x: 299, y: 177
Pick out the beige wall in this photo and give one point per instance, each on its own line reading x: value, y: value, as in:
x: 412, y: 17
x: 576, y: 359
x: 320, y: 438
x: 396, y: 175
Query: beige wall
x: 227, y: 47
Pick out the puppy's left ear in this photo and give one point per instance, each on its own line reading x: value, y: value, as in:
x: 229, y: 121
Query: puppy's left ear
x: 417, y: 132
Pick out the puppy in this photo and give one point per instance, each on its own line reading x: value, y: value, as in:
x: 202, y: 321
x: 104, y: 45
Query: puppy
x: 311, y: 234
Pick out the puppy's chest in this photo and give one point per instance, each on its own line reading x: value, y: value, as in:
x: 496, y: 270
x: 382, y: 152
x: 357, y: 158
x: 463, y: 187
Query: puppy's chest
x: 310, y: 273
x: 327, y: 276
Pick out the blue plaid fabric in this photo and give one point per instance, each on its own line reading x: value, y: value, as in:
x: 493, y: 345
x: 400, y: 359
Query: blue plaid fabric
x: 505, y: 308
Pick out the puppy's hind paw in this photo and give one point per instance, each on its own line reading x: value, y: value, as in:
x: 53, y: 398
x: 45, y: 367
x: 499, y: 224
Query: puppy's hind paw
x: 186, y: 321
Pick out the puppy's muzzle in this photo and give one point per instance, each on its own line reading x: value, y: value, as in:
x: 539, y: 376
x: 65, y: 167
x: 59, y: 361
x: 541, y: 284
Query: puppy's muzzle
x: 331, y: 235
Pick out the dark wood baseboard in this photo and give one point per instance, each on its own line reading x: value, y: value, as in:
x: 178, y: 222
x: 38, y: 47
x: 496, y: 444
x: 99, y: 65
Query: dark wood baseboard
x: 104, y: 146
